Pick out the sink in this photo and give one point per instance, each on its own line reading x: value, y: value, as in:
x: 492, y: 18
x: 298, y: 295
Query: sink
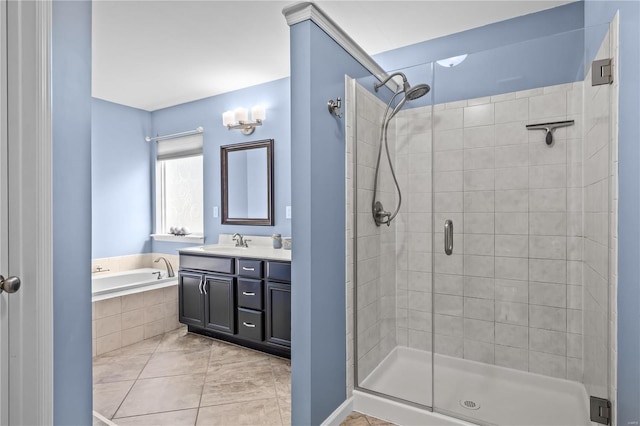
x: 257, y: 251
x: 228, y: 250
x: 218, y: 247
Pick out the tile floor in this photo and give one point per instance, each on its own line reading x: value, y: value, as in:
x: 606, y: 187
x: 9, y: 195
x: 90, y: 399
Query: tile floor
x: 359, y: 419
x: 182, y: 378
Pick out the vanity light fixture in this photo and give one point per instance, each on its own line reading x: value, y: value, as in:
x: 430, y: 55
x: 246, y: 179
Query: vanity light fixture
x: 239, y: 119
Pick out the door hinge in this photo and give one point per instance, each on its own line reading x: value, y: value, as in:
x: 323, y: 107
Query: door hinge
x: 601, y: 72
x: 600, y: 410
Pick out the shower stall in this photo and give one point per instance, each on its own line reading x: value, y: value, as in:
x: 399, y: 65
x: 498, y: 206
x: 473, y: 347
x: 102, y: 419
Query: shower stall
x: 481, y: 234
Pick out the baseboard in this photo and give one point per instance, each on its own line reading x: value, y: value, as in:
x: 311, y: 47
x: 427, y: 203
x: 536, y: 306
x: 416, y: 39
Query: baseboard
x: 339, y: 414
x: 103, y: 419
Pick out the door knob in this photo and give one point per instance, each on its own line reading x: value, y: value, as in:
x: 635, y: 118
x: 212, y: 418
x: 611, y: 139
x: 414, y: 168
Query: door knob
x: 10, y: 285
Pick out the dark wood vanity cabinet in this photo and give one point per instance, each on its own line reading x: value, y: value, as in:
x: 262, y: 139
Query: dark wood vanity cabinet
x: 191, y: 308
x: 219, y: 300
x: 244, y: 301
x: 207, y: 301
x: 278, y: 326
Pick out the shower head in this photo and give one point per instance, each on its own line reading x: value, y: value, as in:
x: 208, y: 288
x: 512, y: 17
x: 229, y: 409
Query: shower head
x: 416, y: 92
x: 410, y: 93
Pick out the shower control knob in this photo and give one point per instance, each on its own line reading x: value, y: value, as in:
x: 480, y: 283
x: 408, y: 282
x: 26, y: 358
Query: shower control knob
x: 10, y: 285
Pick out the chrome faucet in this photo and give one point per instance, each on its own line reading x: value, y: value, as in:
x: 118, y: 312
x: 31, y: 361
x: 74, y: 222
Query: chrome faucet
x: 240, y: 241
x: 170, y: 273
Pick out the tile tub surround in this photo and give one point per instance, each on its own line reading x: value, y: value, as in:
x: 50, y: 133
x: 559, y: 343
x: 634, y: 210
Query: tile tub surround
x: 187, y: 379
x: 133, y: 261
x: 125, y: 320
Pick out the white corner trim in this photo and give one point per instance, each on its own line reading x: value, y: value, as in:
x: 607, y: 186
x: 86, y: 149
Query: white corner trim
x: 304, y: 11
x: 339, y: 414
x: 103, y: 419
x: 195, y: 239
x: 44, y: 268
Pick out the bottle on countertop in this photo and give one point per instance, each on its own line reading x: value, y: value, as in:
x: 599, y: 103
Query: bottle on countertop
x: 277, y: 241
x: 286, y: 243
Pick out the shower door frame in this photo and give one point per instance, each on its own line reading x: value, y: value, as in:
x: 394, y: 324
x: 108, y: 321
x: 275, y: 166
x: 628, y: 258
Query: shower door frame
x: 351, y: 95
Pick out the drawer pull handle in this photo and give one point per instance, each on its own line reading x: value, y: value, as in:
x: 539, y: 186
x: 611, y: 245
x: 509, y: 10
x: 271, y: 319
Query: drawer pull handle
x: 244, y: 268
x: 248, y: 293
x: 248, y: 324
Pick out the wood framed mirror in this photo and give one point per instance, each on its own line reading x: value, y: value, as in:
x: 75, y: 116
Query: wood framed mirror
x: 247, y: 183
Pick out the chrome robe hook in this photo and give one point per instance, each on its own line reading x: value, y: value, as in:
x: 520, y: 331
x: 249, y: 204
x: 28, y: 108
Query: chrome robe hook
x: 334, y: 107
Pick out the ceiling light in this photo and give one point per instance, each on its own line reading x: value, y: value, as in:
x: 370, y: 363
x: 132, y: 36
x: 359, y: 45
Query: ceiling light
x: 452, y: 62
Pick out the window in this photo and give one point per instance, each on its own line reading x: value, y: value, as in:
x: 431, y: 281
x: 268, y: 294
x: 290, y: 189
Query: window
x: 179, y: 186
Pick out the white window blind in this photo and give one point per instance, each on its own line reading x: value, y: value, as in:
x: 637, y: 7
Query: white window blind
x: 187, y: 146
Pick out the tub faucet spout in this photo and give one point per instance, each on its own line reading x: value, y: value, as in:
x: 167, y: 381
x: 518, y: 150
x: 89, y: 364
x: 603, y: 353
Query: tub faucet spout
x: 170, y: 273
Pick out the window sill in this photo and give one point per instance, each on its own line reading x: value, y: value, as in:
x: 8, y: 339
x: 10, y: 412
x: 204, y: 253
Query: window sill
x: 194, y: 238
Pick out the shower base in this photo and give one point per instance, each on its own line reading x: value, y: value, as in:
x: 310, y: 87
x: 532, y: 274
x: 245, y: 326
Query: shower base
x: 470, y: 390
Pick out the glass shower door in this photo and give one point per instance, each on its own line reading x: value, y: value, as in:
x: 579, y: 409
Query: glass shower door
x: 514, y: 343
x: 392, y: 274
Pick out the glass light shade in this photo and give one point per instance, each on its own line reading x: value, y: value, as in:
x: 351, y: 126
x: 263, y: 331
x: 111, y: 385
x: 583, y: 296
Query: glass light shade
x: 241, y: 114
x: 258, y: 113
x: 452, y: 62
x: 227, y: 118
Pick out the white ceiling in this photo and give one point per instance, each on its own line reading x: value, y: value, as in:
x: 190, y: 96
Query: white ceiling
x: 154, y: 54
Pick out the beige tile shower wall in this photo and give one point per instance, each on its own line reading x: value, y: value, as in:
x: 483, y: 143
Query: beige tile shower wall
x: 510, y: 294
x: 414, y: 245
x: 350, y: 108
x: 600, y: 194
x: 125, y: 320
x: 375, y: 246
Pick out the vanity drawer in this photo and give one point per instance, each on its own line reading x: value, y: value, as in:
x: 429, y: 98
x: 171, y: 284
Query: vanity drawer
x: 279, y: 271
x: 250, y: 268
x: 250, y: 325
x: 249, y: 293
x: 207, y: 263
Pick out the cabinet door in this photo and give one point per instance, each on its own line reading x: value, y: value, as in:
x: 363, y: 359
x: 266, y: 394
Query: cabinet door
x: 220, y: 304
x: 190, y: 298
x: 278, y: 330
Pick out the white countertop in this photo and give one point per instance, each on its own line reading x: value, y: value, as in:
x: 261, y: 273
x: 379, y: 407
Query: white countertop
x: 259, y: 247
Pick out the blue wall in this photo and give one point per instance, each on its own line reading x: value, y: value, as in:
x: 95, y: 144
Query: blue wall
x: 208, y: 114
x: 597, y: 12
x: 318, y: 376
x: 552, y: 39
x: 521, y: 29
x: 123, y: 171
x: 71, y: 104
x: 120, y: 180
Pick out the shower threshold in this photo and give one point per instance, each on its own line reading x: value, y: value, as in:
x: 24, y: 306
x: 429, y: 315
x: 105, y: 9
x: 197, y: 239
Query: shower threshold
x: 474, y: 391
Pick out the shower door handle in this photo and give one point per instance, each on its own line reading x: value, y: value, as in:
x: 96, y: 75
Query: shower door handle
x: 448, y: 237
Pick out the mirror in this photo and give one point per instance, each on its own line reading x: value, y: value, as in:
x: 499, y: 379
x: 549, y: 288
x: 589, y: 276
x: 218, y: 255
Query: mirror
x: 247, y: 183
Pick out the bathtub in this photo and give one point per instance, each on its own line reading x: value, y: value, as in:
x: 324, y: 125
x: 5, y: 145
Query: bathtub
x: 131, y: 306
x: 128, y: 282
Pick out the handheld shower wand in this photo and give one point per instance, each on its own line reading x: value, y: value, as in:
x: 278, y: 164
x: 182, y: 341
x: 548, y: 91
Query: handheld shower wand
x: 380, y: 215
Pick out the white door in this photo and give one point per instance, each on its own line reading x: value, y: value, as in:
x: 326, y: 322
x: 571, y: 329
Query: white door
x: 25, y: 214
